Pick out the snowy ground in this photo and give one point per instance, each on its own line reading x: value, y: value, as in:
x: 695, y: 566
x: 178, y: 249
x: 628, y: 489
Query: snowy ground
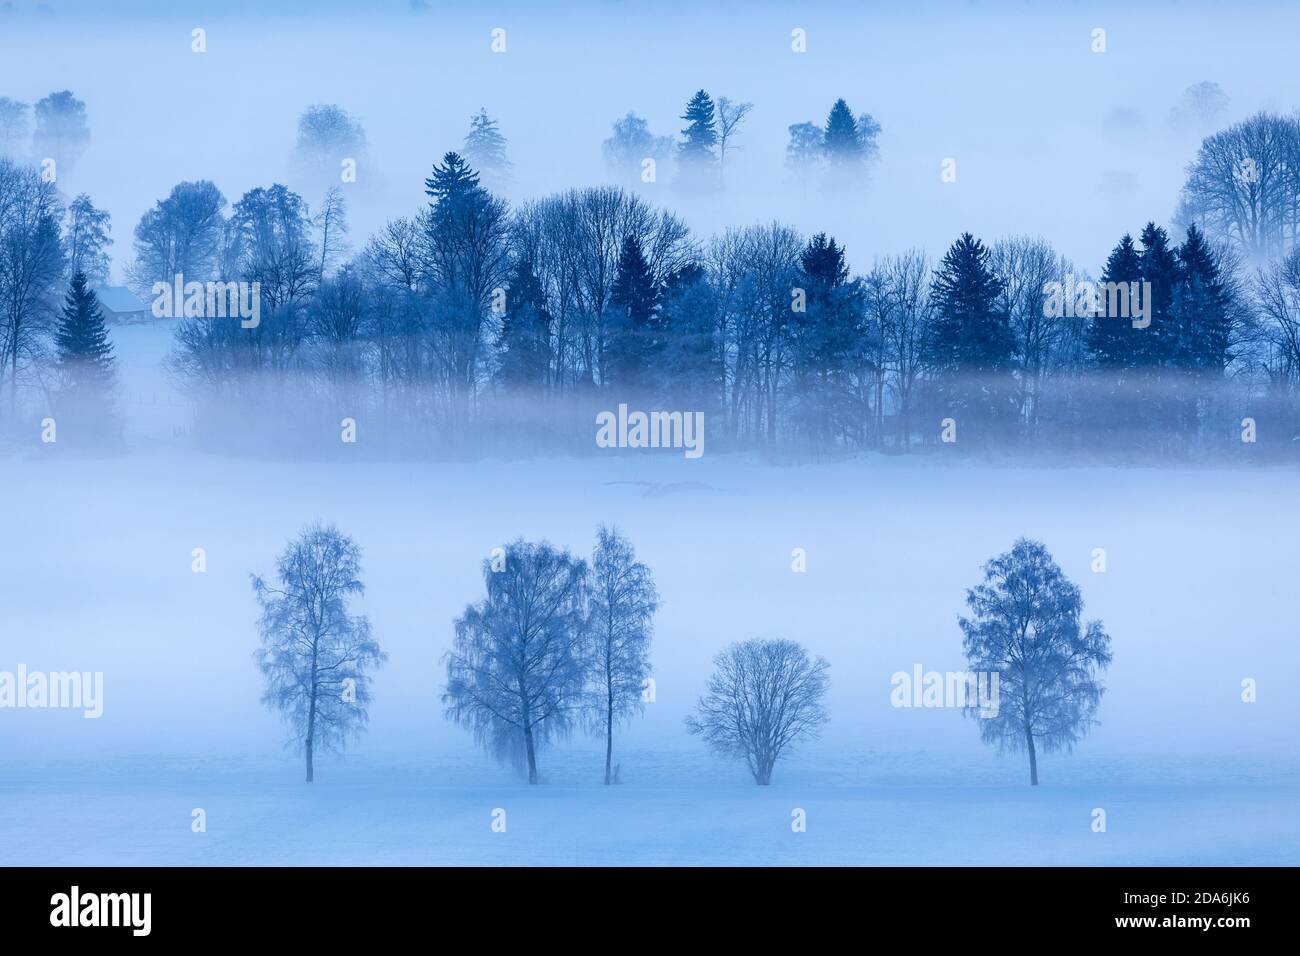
x: 868, y: 809
x: 95, y: 575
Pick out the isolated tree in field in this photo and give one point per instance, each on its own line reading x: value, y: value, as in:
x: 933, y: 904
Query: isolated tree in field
x: 763, y: 697
x: 1025, y: 626
x: 516, y: 672
x: 316, y: 657
x: 622, y: 606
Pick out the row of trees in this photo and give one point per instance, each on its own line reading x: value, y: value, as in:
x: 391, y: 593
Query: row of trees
x: 469, y: 312
x: 558, y: 643
x: 844, y: 145
x: 471, y: 317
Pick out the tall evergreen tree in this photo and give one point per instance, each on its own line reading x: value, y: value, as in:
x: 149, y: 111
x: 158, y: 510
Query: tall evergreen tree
x: 841, y: 140
x: 485, y: 147
x: 1202, y: 307
x: 971, y: 348
x: 701, y: 132
x: 524, y: 342
x: 633, y: 340
x: 822, y: 335
x: 85, y: 354
x: 451, y: 181
x: 690, y: 361
x: 1115, y: 348
x: 1160, y: 267
x: 1111, y: 340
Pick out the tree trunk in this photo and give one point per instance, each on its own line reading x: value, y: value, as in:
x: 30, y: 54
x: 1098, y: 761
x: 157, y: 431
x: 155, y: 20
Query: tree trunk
x: 1033, y: 758
x: 609, y: 734
x: 311, y: 712
x: 311, y: 732
x: 532, y: 753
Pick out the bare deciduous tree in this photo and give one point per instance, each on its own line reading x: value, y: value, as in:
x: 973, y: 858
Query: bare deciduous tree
x: 763, y: 697
x: 1243, y: 184
x: 730, y: 116
x: 623, y: 603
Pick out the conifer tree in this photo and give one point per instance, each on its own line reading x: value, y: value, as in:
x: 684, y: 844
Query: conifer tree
x: 843, y: 145
x: 971, y: 348
x: 633, y: 340
x: 524, y: 342
x: 85, y: 354
x: 1160, y: 267
x: 1110, y: 339
x: 822, y: 334
x: 485, y: 146
x: 1202, y: 307
x: 701, y: 132
x: 688, y: 319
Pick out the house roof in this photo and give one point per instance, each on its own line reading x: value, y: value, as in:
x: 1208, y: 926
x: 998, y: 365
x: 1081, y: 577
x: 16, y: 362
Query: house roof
x: 118, y: 298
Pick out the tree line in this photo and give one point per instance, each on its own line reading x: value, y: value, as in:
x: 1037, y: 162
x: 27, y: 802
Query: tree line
x: 472, y: 321
x: 558, y: 644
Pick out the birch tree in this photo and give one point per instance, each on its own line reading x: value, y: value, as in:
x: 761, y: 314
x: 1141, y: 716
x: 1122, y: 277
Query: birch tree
x: 316, y: 657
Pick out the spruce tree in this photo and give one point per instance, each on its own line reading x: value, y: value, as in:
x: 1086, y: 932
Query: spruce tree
x: 971, y: 349
x: 633, y: 340
x: 842, y: 142
x: 1110, y: 339
x: 85, y: 354
x: 823, y: 334
x: 451, y: 182
x: 1159, y: 342
x: 1114, y: 346
x: 1201, y: 307
x: 485, y: 147
x: 690, y: 361
x: 701, y: 131
x: 524, y: 343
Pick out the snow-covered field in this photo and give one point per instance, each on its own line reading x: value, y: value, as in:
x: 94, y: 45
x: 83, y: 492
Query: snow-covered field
x: 95, y: 575
x: 869, y: 808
